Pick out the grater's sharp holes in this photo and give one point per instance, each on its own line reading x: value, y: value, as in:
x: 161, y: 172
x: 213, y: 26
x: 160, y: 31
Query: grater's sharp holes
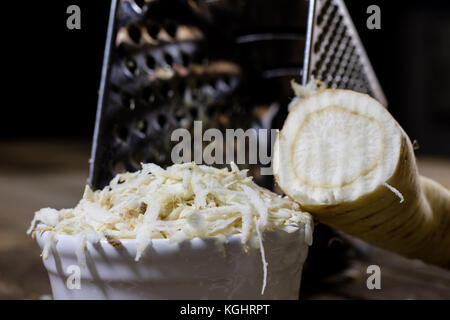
x: 185, y: 59
x: 322, y: 13
x: 166, y: 91
x: 127, y: 101
x: 341, y: 31
x: 220, y: 85
x: 335, y: 21
x: 200, y: 58
x: 334, y: 33
x: 210, y: 111
x: 321, y: 60
x: 140, y: 3
x: 147, y: 95
x: 318, y: 66
x: 321, y: 37
x: 342, y: 38
x: 199, y: 84
x: 134, y: 33
x: 142, y: 126
x: 193, y: 112
x: 326, y: 28
x: 161, y: 120
x: 333, y: 10
x: 332, y: 72
x: 168, y: 59
x: 325, y: 7
x: 228, y: 81
x: 122, y: 134
x: 181, y: 88
x: 153, y: 30
x: 348, y: 45
x: 211, y: 83
x: 317, y: 47
x: 121, y: 50
x: 328, y: 66
x: 114, y: 88
x: 179, y: 118
x: 150, y: 62
x: 131, y: 66
x: 341, y: 71
x: 320, y: 18
x: 171, y: 30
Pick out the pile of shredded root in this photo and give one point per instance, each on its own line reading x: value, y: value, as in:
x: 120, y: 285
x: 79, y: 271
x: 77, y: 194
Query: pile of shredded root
x: 182, y: 202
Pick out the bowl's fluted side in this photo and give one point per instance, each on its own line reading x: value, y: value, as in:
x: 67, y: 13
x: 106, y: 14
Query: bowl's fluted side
x: 194, y: 269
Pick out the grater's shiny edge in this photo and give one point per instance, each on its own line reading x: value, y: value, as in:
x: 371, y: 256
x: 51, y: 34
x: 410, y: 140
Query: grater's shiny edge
x: 372, y: 87
x: 308, y: 43
x: 103, y: 91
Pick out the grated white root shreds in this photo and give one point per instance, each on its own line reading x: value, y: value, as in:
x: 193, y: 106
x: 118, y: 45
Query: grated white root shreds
x: 263, y: 258
x: 182, y: 202
x: 395, y: 191
x: 302, y: 92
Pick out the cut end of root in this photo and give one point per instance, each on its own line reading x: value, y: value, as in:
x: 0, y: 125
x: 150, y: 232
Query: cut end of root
x: 336, y: 146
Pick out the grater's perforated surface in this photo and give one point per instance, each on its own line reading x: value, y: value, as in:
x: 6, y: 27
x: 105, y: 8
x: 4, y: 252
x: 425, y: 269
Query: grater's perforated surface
x: 176, y: 61
x: 227, y: 63
x: 337, y: 56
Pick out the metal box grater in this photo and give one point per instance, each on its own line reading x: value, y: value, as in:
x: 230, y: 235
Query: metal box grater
x: 227, y: 63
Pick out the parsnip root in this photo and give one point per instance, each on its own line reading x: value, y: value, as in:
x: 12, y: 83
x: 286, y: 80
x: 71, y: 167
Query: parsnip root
x: 344, y: 158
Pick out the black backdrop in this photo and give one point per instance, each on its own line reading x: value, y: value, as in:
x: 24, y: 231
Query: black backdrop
x: 53, y: 73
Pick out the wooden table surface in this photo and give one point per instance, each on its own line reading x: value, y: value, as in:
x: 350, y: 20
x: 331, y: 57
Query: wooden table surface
x: 36, y: 174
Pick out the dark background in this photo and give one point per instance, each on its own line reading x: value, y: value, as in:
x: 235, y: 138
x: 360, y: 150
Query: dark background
x: 56, y: 72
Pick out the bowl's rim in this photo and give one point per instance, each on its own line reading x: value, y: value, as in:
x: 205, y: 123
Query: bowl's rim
x: 69, y: 237
x: 40, y: 235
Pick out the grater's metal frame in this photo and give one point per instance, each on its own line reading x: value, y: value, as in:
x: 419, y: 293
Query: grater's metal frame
x: 371, y: 84
x: 104, y: 89
x: 363, y: 74
x: 308, y: 43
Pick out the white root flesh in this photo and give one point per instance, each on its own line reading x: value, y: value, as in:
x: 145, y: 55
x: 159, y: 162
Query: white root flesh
x: 344, y: 158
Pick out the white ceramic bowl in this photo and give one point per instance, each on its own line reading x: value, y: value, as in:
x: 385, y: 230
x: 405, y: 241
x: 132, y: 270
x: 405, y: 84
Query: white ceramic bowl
x: 193, y: 269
